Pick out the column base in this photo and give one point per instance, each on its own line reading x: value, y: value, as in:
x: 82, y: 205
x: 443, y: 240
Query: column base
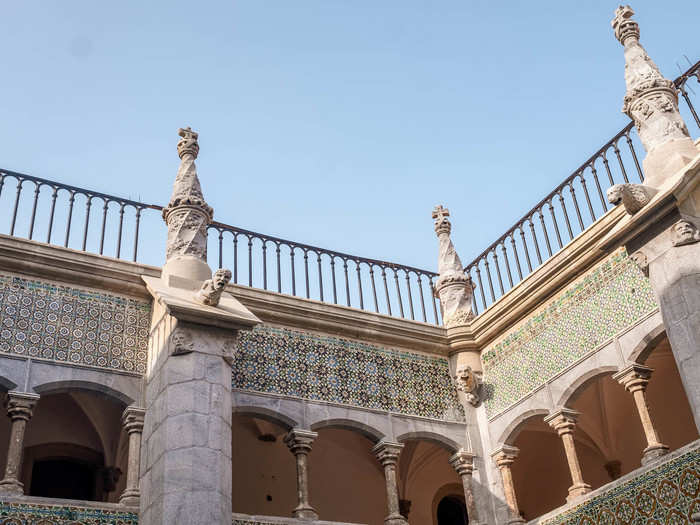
x: 11, y: 486
x: 578, y: 490
x: 305, y: 513
x: 130, y: 498
x: 516, y: 520
x: 653, y: 451
x: 395, y: 519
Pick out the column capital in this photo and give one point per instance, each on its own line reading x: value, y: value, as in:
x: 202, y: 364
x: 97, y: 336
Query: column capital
x: 387, y: 452
x: 463, y: 462
x: 563, y: 420
x: 634, y: 377
x: 20, y: 405
x: 132, y: 419
x: 505, y: 455
x: 299, y: 440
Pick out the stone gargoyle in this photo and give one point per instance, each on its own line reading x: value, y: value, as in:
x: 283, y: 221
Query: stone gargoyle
x: 632, y: 196
x: 211, y: 290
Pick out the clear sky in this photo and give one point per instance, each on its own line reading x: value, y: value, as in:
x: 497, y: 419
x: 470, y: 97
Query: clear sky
x: 337, y: 123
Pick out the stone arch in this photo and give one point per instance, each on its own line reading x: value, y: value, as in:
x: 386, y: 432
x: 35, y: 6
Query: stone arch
x: 6, y: 384
x: 582, y: 380
x: 512, y: 430
x: 364, y: 429
x: 640, y: 352
x: 440, y: 440
x: 55, y: 387
x: 266, y: 414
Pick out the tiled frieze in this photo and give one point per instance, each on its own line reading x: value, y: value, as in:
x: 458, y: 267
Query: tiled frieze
x: 16, y: 513
x: 40, y: 319
x: 597, y: 306
x: 336, y: 370
x: 667, y: 494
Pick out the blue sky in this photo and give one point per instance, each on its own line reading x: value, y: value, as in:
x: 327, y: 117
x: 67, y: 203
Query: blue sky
x: 335, y: 123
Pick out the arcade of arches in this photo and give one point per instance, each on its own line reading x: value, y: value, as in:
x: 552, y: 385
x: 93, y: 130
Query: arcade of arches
x: 609, y: 439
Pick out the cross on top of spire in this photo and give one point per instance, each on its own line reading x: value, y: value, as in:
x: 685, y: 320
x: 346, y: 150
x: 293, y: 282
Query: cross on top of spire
x: 188, y: 143
x: 442, y: 223
x: 439, y: 213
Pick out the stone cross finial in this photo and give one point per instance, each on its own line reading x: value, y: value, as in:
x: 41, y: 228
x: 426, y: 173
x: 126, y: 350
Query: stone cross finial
x: 442, y: 223
x: 623, y: 25
x: 188, y: 143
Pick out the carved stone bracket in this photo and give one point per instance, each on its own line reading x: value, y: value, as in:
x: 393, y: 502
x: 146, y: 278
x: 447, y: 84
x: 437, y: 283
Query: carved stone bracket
x: 469, y: 382
x: 684, y: 232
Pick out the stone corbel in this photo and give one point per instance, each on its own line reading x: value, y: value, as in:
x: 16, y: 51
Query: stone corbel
x: 684, y: 232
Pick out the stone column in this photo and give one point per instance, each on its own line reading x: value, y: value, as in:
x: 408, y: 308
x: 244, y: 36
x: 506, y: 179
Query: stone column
x: 299, y: 442
x: 388, y: 455
x: 132, y: 420
x: 504, y: 458
x: 564, y: 422
x: 635, y: 379
x: 463, y: 462
x: 20, y: 407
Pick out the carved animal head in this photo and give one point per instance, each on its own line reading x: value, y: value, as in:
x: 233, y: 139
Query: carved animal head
x: 614, y: 194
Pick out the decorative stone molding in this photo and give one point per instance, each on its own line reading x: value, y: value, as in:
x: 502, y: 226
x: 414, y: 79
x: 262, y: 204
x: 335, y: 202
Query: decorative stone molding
x: 469, y: 382
x: 640, y: 259
x: 20, y: 407
x: 181, y: 342
x: 454, y: 288
x: 651, y: 102
x: 632, y: 196
x: 211, y: 290
x: 684, y: 232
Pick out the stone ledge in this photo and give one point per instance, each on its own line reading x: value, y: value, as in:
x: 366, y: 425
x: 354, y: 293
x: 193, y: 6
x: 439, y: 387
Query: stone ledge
x: 245, y: 519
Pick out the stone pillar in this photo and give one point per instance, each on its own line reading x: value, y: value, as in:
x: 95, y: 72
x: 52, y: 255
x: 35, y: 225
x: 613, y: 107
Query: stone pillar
x: 20, y: 407
x: 463, y: 462
x: 564, y: 422
x: 504, y: 458
x: 635, y: 379
x: 299, y: 442
x: 388, y: 455
x: 132, y: 421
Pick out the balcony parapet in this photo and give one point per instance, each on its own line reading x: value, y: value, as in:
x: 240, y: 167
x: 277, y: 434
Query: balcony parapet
x: 245, y: 519
x: 30, y: 509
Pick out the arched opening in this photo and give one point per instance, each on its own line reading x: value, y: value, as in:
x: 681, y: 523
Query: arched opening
x: 75, y: 448
x: 452, y: 511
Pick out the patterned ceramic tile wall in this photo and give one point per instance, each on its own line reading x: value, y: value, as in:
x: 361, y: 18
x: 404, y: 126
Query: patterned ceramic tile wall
x: 611, y: 297
x: 44, y: 320
x: 667, y: 494
x: 15, y: 513
x: 337, y: 370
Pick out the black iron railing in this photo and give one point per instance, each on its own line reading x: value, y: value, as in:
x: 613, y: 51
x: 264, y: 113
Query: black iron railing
x: 61, y: 214
x: 567, y: 211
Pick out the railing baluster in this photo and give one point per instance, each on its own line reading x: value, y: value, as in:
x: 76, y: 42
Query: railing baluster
x: 488, y: 276
x: 306, y: 273
x: 554, y: 221
x: 54, y: 195
x: 37, y: 189
x: 410, y: 296
x: 347, y: 282
x: 121, y: 229
x: 335, y: 293
x: 534, y: 241
x: 588, y: 198
x: 14, y: 213
x: 517, y: 258
x: 578, y: 211
x: 359, y: 285
x: 475, y: 305
x: 374, y: 289
x: 235, y: 258
x: 494, y: 254
x: 422, y: 299
x: 136, y: 232
x: 320, y: 276
x: 279, y: 267
x: 527, y: 252
x: 634, y: 156
x: 264, y: 258
x: 434, y: 301
x: 607, y: 168
x: 88, y: 205
x: 685, y: 96
x: 481, y: 286
x: 505, y: 258
x: 566, y: 216
x: 104, y: 225
x: 221, y: 248
x: 294, y: 277
x: 544, y: 229
x: 398, y: 291
x: 603, y: 201
x: 619, y: 159
x: 386, y: 290
x: 250, y: 261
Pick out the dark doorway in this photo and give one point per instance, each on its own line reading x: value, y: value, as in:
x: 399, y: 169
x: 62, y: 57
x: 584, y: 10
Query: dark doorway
x: 63, y: 478
x: 452, y: 511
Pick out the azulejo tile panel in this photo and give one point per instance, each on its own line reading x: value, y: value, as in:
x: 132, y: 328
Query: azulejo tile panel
x: 16, y: 513
x: 667, y: 494
x: 600, y: 304
x: 336, y: 370
x: 44, y: 320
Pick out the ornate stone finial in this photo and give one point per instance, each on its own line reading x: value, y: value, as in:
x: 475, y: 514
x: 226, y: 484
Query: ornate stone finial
x: 211, y: 290
x: 469, y: 382
x: 453, y: 287
x: 651, y: 102
x: 684, y: 232
x: 187, y: 215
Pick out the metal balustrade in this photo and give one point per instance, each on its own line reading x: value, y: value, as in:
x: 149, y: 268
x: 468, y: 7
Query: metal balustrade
x: 568, y: 210
x: 64, y: 215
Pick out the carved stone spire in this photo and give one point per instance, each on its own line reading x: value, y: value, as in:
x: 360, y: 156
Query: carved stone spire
x: 187, y: 216
x: 453, y: 287
x: 652, y: 102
